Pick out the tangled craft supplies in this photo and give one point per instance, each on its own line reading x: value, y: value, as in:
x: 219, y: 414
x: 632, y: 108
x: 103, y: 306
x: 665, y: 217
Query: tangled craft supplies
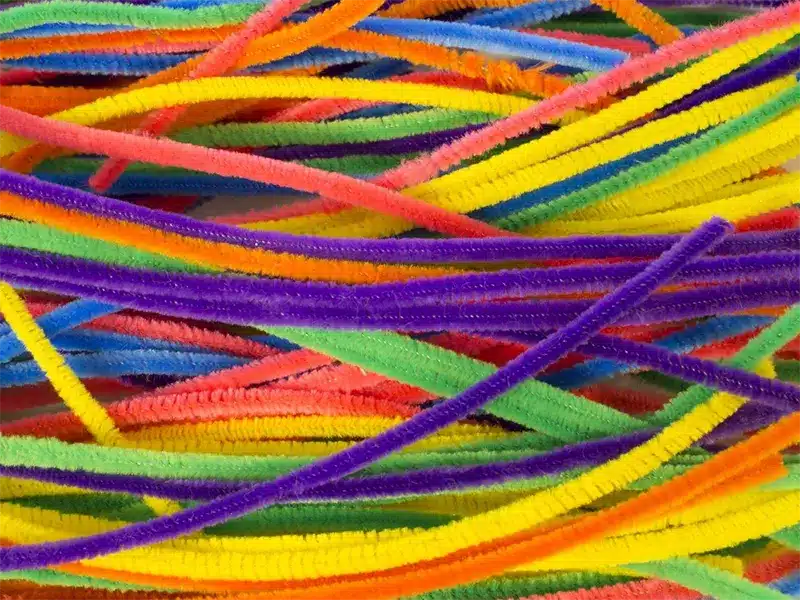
x: 431, y: 299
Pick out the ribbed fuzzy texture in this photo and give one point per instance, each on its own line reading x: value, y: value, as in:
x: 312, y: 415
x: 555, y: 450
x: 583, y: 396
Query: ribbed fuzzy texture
x: 399, y: 299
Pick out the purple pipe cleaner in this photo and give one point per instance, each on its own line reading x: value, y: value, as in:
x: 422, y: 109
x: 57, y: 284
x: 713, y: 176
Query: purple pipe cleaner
x: 782, y: 396
x: 503, y: 316
x: 424, y: 481
x: 749, y: 417
x: 471, y: 286
x: 390, y: 250
x: 600, y: 314
x: 777, y: 395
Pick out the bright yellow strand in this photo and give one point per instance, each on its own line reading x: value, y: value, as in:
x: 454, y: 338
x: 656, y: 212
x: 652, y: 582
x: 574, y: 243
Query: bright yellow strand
x: 782, y: 194
x: 767, y: 147
x: 517, y: 516
x: 241, y: 88
x: 361, y: 223
x: 608, y: 120
x: 69, y: 387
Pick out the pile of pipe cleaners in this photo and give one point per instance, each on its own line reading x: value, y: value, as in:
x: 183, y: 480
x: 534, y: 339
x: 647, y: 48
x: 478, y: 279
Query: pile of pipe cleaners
x: 414, y: 299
